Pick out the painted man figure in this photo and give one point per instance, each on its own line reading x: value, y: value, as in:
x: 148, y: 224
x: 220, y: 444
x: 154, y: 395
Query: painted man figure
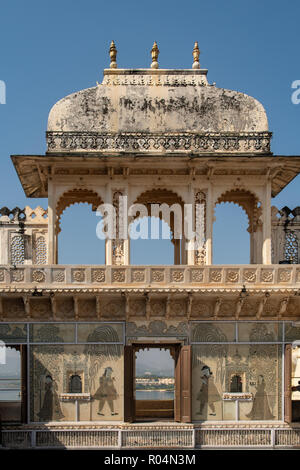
x: 208, y: 393
x: 106, y: 392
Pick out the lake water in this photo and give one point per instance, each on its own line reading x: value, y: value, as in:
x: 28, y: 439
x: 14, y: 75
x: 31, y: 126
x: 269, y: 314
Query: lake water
x: 154, y: 395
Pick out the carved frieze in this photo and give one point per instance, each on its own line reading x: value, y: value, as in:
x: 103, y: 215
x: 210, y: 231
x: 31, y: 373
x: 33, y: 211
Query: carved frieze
x: 254, y: 142
x: 98, y: 275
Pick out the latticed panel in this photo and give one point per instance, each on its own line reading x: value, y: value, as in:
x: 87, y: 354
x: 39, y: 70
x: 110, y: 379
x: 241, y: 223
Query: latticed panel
x: 17, y: 249
x: 77, y: 439
x: 291, y: 247
x: 40, y: 250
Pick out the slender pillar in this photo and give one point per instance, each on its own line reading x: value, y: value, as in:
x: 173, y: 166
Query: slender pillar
x: 267, y: 228
x: 209, y: 223
x: 108, y: 242
x: 52, y: 236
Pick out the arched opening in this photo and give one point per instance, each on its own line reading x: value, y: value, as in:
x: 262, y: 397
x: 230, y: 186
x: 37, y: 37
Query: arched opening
x: 77, y: 241
x: 147, y: 249
x: 156, y: 228
x: 237, y: 228
x: 231, y: 240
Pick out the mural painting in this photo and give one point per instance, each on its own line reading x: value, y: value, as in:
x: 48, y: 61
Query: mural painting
x: 221, y: 371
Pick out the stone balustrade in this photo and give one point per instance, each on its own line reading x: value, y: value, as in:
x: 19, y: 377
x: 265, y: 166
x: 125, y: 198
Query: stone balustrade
x: 152, y: 277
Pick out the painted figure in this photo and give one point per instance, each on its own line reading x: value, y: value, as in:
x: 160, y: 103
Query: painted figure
x: 260, y: 408
x: 50, y: 410
x: 208, y: 393
x: 106, y: 392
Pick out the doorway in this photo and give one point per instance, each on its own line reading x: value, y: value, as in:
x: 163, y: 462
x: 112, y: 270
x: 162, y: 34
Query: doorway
x: 157, y: 382
x: 154, y: 390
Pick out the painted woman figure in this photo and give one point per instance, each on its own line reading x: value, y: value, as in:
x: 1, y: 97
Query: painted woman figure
x: 50, y: 409
x: 260, y: 408
x: 208, y: 393
x: 106, y: 392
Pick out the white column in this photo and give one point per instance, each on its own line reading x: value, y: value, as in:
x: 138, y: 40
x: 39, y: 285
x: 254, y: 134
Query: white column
x: 108, y: 242
x: 209, y: 223
x: 52, y: 236
x: 267, y: 228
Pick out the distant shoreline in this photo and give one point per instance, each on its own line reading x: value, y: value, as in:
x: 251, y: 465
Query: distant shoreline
x: 153, y: 390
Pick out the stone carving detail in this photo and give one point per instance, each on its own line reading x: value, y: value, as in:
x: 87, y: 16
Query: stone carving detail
x: 1, y: 275
x: 267, y: 275
x: 98, y: 275
x: 215, y: 275
x: 232, y: 276
x: 138, y: 307
x: 59, y: 275
x: 17, y: 249
x: 158, y: 308
x: 298, y: 275
x: 177, y: 276
x: 138, y: 275
x: 157, y: 328
x: 158, y: 275
x: 254, y: 142
x: 197, y: 275
x: 38, y: 276
x: 40, y: 250
x: 78, y: 275
x: 249, y: 275
x: 113, y: 308
x: 200, y: 218
x: 178, y: 308
x: 284, y: 275
x: 291, y: 247
x: 118, y: 244
x: 201, y: 309
x: 17, y: 275
x: 118, y: 275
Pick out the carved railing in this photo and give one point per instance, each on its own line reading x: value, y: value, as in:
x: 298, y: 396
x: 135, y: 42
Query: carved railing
x: 177, y: 276
x: 165, y: 437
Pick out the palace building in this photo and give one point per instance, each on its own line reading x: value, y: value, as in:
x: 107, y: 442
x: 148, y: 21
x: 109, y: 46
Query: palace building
x: 72, y: 332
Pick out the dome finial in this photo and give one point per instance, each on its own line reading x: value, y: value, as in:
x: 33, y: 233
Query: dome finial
x: 113, y: 55
x: 196, y: 54
x: 154, y: 54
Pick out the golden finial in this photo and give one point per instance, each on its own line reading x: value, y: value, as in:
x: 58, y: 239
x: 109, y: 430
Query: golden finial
x: 113, y: 55
x: 154, y: 54
x: 196, y: 54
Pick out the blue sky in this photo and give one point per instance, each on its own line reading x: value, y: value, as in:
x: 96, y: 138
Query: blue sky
x: 52, y: 48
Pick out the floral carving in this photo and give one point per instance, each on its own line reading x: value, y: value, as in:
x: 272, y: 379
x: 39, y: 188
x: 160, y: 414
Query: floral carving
x: 59, y: 275
x: 137, y: 308
x: 158, y: 276
x: 249, y: 275
x: 216, y: 275
x: 199, y: 309
x: 138, y: 276
x: 118, y: 275
x: 17, y: 275
x: 284, y: 275
x: 38, y: 276
x: 232, y: 276
x: 98, y: 275
x: 78, y: 275
x: 177, y: 308
x: 197, y: 275
x: 267, y: 275
x: 157, y: 308
x: 177, y: 276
